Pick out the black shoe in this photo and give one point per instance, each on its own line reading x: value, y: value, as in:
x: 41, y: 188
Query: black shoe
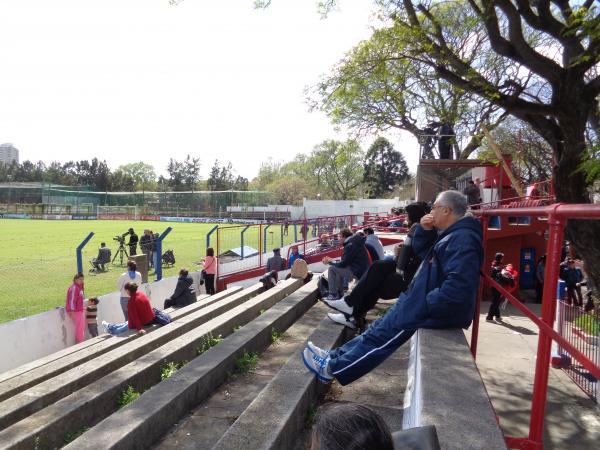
x: 499, y: 319
x: 489, y: 319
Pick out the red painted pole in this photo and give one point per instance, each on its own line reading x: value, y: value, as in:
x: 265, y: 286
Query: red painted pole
x: 475, y: 329
x: 556, y: 227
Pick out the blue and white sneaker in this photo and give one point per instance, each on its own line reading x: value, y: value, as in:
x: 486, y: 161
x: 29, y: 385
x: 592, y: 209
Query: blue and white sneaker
x: 321, y: 353
x: 317, y: 365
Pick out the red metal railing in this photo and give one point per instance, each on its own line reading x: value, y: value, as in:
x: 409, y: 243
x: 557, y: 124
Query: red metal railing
x: 558, y: 215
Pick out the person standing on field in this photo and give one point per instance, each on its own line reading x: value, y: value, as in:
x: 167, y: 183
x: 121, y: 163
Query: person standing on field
x: 132, y: 275
x: 74, y: 306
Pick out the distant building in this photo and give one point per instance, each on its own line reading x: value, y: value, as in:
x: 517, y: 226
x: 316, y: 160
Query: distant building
x: 8, y: 154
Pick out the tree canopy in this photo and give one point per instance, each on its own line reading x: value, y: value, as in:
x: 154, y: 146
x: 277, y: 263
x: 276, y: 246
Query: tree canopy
x: 385, y: 168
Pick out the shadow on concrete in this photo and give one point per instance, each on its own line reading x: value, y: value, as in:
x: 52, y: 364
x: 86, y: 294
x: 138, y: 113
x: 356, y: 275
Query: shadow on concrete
x: 517, y: 329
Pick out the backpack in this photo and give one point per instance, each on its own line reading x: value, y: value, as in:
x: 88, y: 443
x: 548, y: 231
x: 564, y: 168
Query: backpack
x: 161, y: 317
x: 299, y: 269
x: 168, y: 258
x: 322, y: 287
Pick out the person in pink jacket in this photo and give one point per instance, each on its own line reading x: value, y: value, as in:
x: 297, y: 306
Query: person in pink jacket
x: 74, y: 306
x: 210, y: 270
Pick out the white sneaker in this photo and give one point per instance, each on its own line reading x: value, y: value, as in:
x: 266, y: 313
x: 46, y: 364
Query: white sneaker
x: 317, y: 350
x: 341, y: 319
x: 105, y: 326
x: 339, y: 305
x: 317, y: 365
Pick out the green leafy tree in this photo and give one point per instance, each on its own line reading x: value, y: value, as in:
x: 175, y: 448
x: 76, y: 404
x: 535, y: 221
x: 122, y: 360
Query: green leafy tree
x: 192, y: 172
x: 176, y: 171
x: 377, y: 88
x: 385, y: 168
x: 340, y: 166
x: 142, y: 174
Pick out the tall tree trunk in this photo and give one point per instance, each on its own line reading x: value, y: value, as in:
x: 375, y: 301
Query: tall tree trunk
x: 571, y: 187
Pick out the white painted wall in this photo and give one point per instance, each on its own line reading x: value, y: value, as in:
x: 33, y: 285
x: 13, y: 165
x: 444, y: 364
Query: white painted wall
x: 27, y: 339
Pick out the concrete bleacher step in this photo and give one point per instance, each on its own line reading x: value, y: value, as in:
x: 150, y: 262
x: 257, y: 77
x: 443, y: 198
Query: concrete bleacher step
x: 278, y: 414
x: 23, y: 377
x: 141, y: 423
x: 35, y: 398
x: 92, y: 403
x: 208, y: 422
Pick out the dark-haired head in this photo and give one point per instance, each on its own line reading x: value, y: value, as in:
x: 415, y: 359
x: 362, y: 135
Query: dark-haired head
x: 368, y: 231
x: 132, y: 266
x: 415, y: 211
x: 183, y: 272
x: 78, y: 276
x: 210, y: 251
x: 346, y: 232
x: 350, y: 426
x: 131, y: 287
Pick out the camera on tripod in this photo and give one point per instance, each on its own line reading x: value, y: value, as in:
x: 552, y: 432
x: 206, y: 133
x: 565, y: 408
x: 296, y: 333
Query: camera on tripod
x: 119, y: 239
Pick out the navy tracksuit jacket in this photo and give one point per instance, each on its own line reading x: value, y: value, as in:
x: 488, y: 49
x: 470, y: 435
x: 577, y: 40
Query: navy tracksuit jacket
x: 441, y: 295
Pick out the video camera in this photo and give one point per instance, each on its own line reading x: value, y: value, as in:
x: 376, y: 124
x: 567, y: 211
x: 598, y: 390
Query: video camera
x: 119, y: 239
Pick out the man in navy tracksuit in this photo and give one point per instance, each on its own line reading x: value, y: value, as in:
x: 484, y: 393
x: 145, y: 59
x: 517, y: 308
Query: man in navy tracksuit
x: 441, y: 295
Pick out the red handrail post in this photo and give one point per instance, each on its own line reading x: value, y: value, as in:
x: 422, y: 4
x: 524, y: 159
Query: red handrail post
x: 556, y: 228
x: 475, y: 329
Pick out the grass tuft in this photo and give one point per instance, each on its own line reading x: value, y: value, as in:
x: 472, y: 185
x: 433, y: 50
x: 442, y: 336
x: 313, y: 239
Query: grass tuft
x: 127, y: 396
x: 246, y: 362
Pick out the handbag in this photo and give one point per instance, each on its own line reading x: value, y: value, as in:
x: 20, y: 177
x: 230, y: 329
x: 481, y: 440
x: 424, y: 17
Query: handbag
x: 161, y: 317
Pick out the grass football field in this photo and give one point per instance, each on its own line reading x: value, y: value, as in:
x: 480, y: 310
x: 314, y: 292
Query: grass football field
x: 38, y: 259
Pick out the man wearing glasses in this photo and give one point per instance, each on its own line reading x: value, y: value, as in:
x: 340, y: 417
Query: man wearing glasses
x: 441, y: 295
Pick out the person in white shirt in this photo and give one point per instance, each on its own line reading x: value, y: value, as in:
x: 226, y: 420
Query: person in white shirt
x: 131, y: 275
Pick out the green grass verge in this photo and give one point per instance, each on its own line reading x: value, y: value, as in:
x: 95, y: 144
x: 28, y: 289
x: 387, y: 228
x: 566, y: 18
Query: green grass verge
x: 38, y: 256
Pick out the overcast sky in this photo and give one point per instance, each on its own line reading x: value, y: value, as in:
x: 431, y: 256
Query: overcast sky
x: 131, y: 80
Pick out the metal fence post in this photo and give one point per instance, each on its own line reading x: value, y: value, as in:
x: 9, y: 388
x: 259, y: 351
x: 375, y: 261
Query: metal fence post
x: 556, y: 228
x: 158, y: 262
x: 295, y: 232
x: 242, y: 241
x: 78, y: 252
x: 265, y: 238
x: 281, y: 235
x: 213, y: 229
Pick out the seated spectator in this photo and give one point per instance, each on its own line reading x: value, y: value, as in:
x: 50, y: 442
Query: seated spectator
x: 131, y: 275
x: 442, y: 294
x: 294, y: 255
x: 354, y: 263
x: 275, y: 262
x: 324, y: 242
x: 385, y: 279
x: 139, y: 312
x: 102, y: 258
x: 350, y: 426
x: 269, y: 280
x: 374, y: 242
x: 185, y: 293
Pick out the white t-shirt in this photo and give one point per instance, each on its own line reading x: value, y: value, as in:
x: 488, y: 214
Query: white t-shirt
x: 124, y: 279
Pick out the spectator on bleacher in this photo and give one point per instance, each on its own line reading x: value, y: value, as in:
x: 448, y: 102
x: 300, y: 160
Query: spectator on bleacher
x: 91, y: 316
x: 540, y: 273
x: 441, y: 295
x: 74, y: 306
x: 185, y: 293
x: 374, y: 242
x: 324, y: 242
x: 354, y: 263
x: 131, y: 275
x: 102, y: 258
x: 573, y: 278
x: 275, y: 262
x: 139, y: 312
x: 209, y: 271
x: 294, y: 255
x: 472, y: 193
x: 385, y: 279
x: 350, y: 426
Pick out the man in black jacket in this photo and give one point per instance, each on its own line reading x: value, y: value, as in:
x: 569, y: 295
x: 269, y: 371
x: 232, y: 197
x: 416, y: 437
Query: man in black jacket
x: 184, y: 294
x: 354, y: 263
x: 133, y: 242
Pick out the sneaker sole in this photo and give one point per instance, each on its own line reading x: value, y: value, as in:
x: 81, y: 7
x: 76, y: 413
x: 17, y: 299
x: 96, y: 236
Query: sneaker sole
x: 315, y: 372
x: 352, y: 327
x: 315, y: 353
x: 338, y: 310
